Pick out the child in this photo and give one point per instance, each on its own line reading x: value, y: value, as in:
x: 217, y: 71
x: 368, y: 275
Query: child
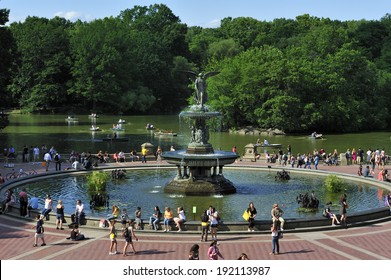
x: 39, y: 231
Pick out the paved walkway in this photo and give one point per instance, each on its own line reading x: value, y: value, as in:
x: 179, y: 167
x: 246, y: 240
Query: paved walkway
x: 361, y: 243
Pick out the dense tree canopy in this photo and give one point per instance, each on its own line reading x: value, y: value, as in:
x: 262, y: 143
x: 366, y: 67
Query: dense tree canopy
x: 293, y: 74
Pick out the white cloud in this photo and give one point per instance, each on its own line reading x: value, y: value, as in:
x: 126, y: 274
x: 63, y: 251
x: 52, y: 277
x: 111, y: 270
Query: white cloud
x: 72, y: 15
x: 214, y: 23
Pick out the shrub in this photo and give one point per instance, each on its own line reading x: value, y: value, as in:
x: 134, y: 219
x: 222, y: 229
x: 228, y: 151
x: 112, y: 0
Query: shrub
x: 97, y: 181
x: 334, y: 184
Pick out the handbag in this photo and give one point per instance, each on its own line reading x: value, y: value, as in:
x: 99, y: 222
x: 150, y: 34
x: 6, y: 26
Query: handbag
x: 246, y: 215
x: 280, y: 235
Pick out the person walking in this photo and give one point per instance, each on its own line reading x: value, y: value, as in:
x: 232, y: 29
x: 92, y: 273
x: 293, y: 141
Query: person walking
x: 113, y: 238
x: 214, y: 252
x: 342, y: 210
x: 128, y: 233
x: 47, y: 159
x: 39, y: 231
x: 252, y: 213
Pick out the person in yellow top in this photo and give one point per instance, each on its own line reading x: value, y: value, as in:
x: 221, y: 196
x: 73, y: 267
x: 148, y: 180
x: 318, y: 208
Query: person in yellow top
x: 114, y: 213
x: 168, y: 218
x: 144, y: 152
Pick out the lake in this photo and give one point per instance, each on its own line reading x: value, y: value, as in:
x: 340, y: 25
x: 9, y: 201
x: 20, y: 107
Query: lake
x: 53, y: 130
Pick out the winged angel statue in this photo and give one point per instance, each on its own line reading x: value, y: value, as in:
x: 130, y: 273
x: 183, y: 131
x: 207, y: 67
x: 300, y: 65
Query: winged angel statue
x: 201, y: 95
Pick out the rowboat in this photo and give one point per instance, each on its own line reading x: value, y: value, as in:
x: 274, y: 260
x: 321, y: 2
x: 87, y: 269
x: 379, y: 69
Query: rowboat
x: 118, y: 139
x: 94, y: 128
x: 268, y: 145
x: 162, y: 133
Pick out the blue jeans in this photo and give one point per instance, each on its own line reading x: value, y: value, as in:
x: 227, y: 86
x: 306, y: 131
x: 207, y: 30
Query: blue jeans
x: 275, y: 245
x: 154, y: 222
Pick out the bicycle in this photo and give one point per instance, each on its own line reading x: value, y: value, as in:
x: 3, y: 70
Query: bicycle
x: 32, y: 172
x: 14, y: 175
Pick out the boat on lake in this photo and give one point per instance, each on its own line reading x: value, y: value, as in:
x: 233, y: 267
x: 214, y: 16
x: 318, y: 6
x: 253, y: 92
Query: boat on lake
x: 115, y: 139
x: 71, y: 119
x: 268, y: 145
x: 165, y: 133
x: 315, y: 135
x: 94, y: 128
x: 150, y: 127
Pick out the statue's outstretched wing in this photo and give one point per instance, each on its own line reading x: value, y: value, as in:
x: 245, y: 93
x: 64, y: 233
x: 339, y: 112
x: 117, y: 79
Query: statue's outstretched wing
x: 210, y: 74
x: 190, y: 72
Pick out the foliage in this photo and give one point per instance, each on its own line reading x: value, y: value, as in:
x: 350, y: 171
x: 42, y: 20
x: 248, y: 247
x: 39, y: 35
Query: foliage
x: 97, y: 181
x: 334, y: 184
x: 297, y: 75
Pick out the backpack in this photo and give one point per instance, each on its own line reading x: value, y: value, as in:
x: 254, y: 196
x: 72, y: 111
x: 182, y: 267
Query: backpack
x: 56, y: 158
x: 126, y: 232
x: 204, y: 218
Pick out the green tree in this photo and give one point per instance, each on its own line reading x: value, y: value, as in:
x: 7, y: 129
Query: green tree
x: 7, y: 49
x: 42, y: 72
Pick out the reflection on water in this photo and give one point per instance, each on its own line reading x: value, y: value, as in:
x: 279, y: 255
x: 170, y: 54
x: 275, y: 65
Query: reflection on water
x: 144, y: 189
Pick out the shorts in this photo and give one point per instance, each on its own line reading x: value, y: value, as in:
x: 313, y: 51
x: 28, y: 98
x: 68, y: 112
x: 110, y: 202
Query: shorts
x: 112, y: 237
x: 214, y: 225
x: 60, y: 216
x: 128, y: 239
x: 39, y: 235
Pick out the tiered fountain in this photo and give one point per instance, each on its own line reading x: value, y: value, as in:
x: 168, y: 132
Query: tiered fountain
x: 199, y: 167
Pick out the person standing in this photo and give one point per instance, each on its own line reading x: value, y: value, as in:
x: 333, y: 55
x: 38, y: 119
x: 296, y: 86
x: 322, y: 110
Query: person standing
x: 39, y: 231
x: 342, y: 210
x: 128, y: 233
x: 47, y: 158
x: 144, y: 152
x: 23, y: 202
x: 275, y: 239
x: 25, y: 153
x: 59, y: 214
x: 204, y: 226
x: 214, y: 252
x: 36, y: 154
x: 113, y: 238
x: 138, y: 220
x: 57, y: 161
x: 79, y: 211
x: 252, y: 213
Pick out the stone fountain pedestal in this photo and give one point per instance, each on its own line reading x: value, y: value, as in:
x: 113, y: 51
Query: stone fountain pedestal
x: 199, y: 167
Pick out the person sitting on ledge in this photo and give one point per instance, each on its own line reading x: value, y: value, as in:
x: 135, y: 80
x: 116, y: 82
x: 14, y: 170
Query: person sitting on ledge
x: 328, y: 214
x: 180, y: 219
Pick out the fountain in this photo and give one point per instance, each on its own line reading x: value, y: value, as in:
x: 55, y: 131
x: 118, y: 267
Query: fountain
x: 199, y: 167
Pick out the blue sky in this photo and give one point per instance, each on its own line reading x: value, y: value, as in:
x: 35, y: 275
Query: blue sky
x: 205, y: 13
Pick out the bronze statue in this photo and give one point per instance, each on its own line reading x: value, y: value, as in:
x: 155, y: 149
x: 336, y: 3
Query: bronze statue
x: 201, y: 95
